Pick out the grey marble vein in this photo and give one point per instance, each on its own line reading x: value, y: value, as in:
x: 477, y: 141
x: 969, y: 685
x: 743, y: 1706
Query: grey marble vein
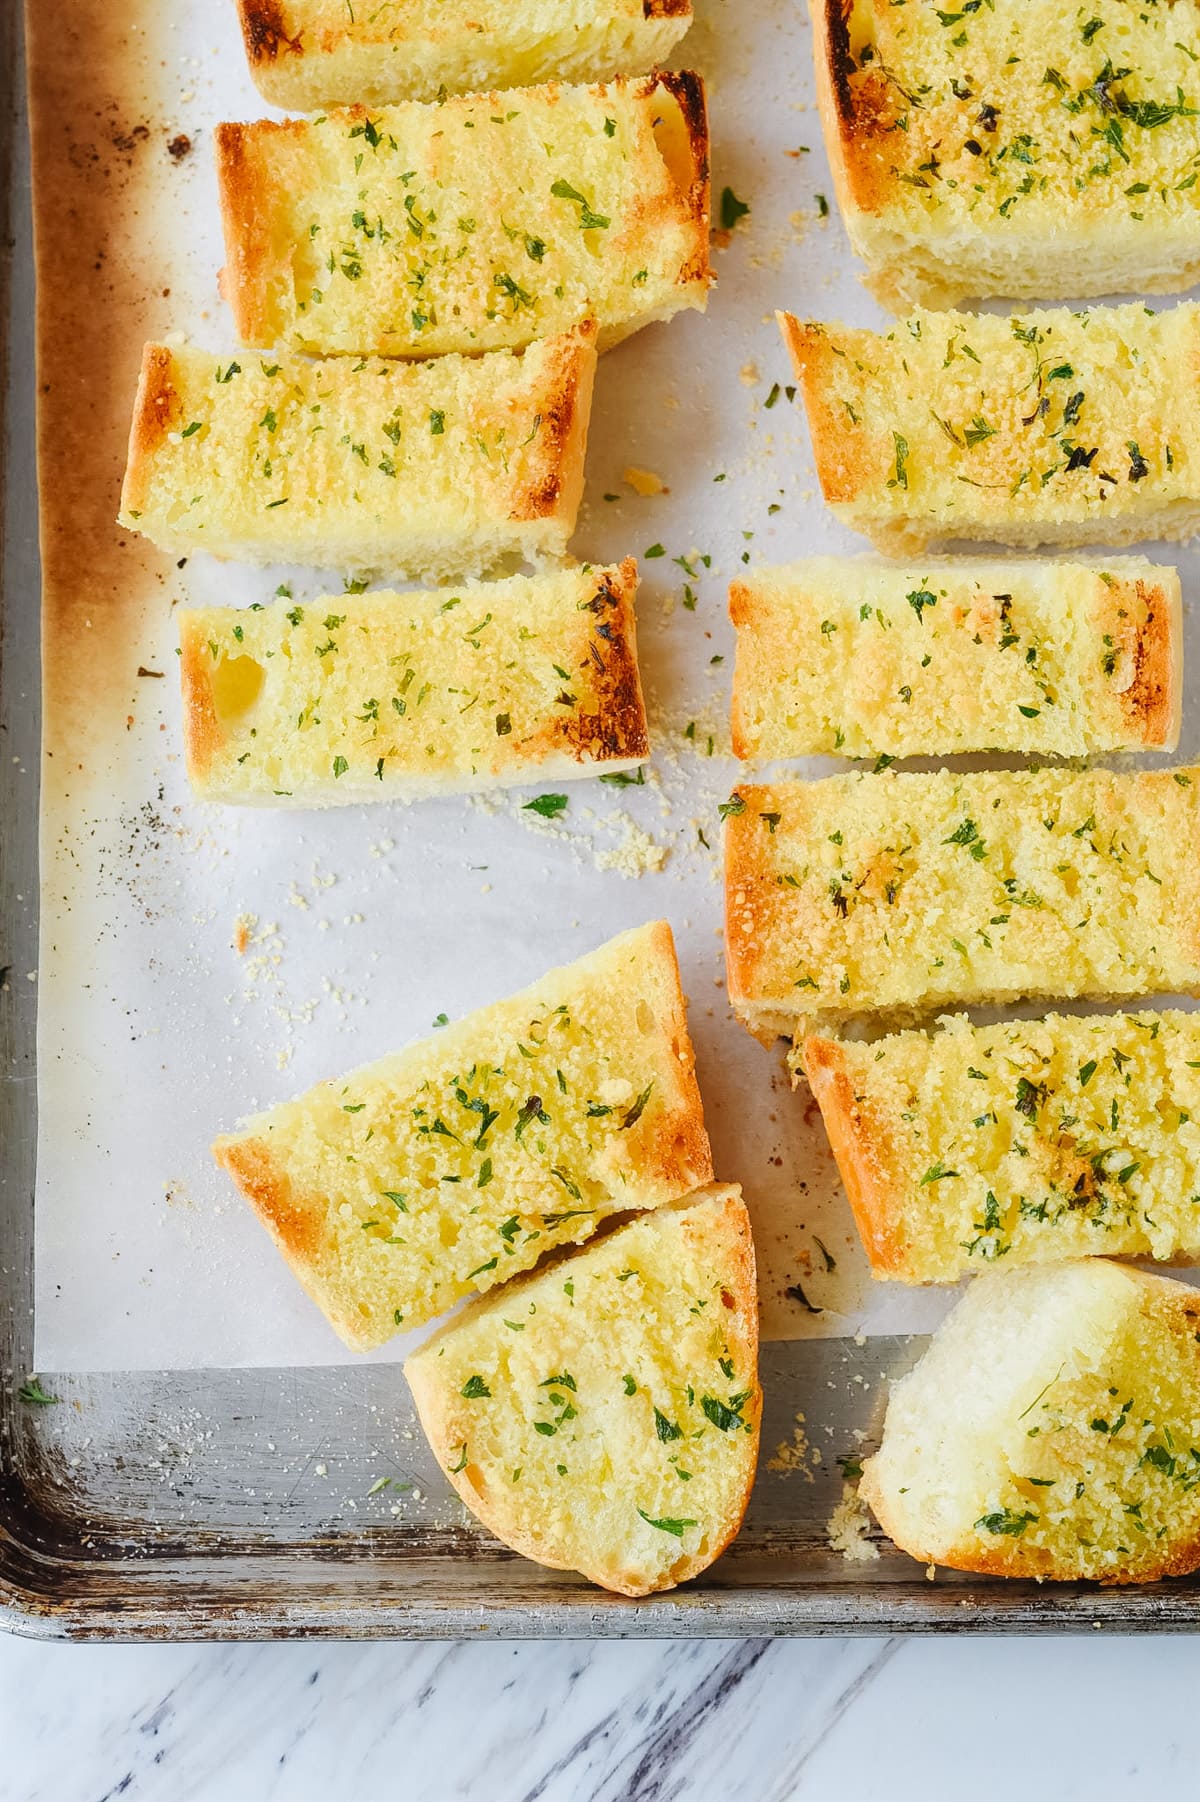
x: 1085, y: 1720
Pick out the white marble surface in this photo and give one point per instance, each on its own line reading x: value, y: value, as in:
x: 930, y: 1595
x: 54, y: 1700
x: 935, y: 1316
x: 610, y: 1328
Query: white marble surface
x: 853, y: 1720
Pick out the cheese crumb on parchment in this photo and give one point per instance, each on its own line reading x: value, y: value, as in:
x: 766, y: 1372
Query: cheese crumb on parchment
x: 848, y: 1526
x: 794, y: 1453
x: 644, y: 482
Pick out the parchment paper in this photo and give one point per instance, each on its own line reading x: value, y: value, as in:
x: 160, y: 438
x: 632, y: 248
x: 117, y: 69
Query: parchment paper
x: 361, y: 927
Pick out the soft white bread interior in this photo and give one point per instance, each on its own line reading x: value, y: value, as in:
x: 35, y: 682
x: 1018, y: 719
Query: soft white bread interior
x: 1051, y: 1430
x: 473, y: 224
x: 1047, y: 428
x: 603, y: 1415
x: 382, y: 697
x: 309, y: 54
x: 433, y: 470
x: 454, y: 1165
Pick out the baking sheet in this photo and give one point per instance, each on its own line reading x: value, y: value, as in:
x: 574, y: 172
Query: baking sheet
x: 360, y: 927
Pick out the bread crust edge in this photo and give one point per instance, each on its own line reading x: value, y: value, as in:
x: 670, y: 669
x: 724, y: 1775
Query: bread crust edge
x: 864, y: 1155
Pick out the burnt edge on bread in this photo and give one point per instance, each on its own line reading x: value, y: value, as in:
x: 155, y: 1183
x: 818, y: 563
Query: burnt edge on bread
x: 265, y: 32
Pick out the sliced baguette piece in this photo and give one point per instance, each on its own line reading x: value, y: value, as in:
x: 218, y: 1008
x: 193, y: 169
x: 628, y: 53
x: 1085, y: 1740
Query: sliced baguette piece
x: 603, y: 1415
x: 1046, y: 428
x: 383, y: 697
x: 432, y: 470
x: 452, y: 1166
x: 894, y: 896
x: 998, y: 151
x: 309, y: 54
x: 475, y: 224
x: 1032, y: 1141
x: 1051, y: 1430
x: 868, y: 659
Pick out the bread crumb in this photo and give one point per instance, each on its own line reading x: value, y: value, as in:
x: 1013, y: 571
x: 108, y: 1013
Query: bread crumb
x: 644, y: 482
x: 243, y: 926
x: 793, y: 1454
x: 748, y: 375
x: 637, y: 854
x: 848, y: 1526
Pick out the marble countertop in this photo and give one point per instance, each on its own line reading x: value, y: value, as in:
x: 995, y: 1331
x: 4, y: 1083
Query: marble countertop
x: 867, y: 1720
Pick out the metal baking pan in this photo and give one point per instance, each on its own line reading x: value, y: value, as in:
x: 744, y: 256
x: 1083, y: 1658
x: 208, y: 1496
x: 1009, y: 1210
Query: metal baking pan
x: 181, y: 1506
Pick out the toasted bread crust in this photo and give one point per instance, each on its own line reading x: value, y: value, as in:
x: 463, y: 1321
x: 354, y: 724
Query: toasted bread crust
x: 861, y: 1147
x: 725, y: 1240
x: 1151, y: 704
x: 253, y: 263
x: 851, y: 133
x: 264, y: 31
x: 156, y: 412
x: 842, y: 468
x: 694, y: 175
x: 686, y: 1161
x: 745, y: 610
x: 202, y: 734
x: 616, y: 728
x: 555, y: 483
x: 294, y: 1225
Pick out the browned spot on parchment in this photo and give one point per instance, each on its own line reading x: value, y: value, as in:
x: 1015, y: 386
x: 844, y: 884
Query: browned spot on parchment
x: 105, y: 223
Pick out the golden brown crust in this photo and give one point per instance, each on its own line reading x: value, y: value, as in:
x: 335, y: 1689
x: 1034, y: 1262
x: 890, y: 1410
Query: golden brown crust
x: 244, y: 185
x: 845, y: 466
x: 614, y: 728
x: 692, y: 171
x: 1145, y: 632
x: 856, y: 119
x: 687, y: 1164
x: 265, y: 31
x: 861, y: 1146
x: 747, y: 916
x: 745, y: 611
x: 295, y: 1225
x: 1013, y: 1560
x: 202, y: 734
x: 555, y: 483
x: 156, y: 411
x: 667, y: 9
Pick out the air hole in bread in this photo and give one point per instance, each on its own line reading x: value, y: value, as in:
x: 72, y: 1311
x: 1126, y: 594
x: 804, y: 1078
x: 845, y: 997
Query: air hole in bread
x: 236, y: 685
